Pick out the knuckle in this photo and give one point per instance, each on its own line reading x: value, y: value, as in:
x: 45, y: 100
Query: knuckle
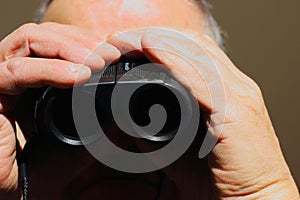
x: 251, y: 89
x: 18, y: 41
x: 13, y: 65
x: 255, y: 88
x: 25, y: 29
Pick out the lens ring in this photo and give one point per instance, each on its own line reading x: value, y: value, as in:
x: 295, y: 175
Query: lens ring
x: 45, y: 119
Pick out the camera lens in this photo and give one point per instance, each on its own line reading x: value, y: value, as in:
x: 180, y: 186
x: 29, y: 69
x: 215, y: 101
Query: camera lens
x: 147, y: 96
x: 54, y: 114
x: 54, y: 108
x: 61, y: 114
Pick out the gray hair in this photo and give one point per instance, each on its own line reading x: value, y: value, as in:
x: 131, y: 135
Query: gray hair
x: 211, y: 26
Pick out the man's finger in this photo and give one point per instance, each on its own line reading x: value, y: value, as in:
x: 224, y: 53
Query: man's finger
x: 19, y: 73
x: 33, y: 40
x: 91, y: 40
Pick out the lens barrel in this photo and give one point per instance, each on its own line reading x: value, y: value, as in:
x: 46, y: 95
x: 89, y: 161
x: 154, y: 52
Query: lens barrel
x: 53, y: 111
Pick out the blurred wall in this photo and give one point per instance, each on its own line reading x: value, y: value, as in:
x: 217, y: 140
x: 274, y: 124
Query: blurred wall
x: 263, y: 40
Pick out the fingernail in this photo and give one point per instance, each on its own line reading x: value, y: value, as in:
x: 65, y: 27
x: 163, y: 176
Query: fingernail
x: 80, y: 70
x: 94, y: 60
x: 74, y: 69
x: 84, y: 70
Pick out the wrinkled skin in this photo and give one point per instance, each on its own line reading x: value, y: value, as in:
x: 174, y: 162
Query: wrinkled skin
x: 246, y: 162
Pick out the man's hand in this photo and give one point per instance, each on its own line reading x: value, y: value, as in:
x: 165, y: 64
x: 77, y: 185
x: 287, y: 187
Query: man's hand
x: 35, y: 56
x: 247, y: 161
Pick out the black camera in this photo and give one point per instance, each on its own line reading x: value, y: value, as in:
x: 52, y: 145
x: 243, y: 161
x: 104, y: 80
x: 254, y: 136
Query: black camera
x: 153, y: 85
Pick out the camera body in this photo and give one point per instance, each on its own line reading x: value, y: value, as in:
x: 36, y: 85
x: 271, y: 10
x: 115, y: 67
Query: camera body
x: 152, y: 85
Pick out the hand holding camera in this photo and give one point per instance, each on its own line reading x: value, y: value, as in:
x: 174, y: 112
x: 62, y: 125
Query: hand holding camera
x: 35, y: 56
x: 51, y: 54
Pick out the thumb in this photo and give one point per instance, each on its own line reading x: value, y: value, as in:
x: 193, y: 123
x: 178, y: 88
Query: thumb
x: 8, y: 163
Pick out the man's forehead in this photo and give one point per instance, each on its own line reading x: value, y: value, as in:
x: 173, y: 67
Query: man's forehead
x: 133, y: 3
x: 187, y: 1
x: 107, y: 16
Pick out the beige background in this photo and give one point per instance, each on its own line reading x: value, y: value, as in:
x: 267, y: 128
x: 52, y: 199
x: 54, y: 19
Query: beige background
x: 263, y: 40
